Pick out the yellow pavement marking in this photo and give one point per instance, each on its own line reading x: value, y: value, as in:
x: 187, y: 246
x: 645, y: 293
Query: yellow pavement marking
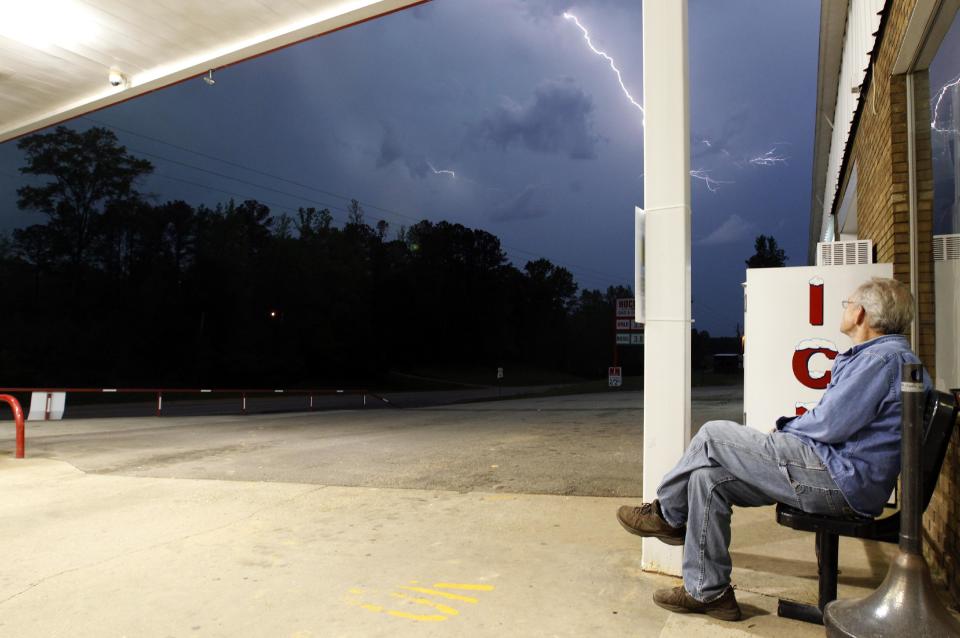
x: 408, y: 616
x: 464, y: 586
x: 442, y: 594
x: 443, y: 609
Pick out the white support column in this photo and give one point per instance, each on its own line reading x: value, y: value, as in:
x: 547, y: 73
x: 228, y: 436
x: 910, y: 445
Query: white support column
x: 666, y: 186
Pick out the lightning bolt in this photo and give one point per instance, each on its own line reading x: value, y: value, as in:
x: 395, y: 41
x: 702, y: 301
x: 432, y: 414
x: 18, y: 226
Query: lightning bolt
x: 441, y: 171
x: 610, y: 61
x: 943, y: 91
x: 769, y: 158
x: 713, y: 185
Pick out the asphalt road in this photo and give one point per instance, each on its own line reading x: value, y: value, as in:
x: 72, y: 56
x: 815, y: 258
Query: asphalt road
x: 79, y: 406
x: 585, y: 445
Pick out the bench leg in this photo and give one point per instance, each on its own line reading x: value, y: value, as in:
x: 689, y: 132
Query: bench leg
x: 827, y: 546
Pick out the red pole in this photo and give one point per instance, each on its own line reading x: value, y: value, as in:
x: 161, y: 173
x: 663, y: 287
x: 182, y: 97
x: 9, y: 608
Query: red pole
x: 18, y: 418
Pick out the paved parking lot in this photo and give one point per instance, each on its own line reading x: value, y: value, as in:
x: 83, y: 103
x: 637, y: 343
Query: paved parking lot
x: 471, y: 520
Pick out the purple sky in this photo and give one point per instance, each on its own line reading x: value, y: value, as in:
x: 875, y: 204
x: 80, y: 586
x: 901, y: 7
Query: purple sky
x: 546, y: 148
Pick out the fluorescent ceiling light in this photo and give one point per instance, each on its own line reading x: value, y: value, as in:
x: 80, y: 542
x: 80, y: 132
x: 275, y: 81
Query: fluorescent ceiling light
x: 44, y: 23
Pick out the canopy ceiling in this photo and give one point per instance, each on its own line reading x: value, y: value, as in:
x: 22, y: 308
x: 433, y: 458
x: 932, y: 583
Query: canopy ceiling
x: 58, y: 57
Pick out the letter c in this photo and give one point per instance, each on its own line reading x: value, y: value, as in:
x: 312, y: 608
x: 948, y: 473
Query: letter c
x: 801, y: 367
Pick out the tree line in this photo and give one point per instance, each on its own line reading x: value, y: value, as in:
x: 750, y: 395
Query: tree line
x: 113, y: 290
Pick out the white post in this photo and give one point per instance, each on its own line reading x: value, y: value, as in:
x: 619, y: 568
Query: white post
x: 666, y: 187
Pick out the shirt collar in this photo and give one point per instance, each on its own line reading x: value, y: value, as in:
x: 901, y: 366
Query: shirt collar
x: 872, y: 342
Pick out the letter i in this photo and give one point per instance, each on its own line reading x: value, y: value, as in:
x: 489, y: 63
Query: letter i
x: 816, y: 301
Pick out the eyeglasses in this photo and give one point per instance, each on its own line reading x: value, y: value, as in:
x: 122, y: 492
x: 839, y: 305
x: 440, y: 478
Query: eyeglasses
x: 846, y: 302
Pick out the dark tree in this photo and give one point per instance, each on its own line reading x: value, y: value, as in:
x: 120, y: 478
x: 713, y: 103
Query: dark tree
x: 550, y: 284
x: 234, y: 296
x: 90, y: 171
x: 767, y: 255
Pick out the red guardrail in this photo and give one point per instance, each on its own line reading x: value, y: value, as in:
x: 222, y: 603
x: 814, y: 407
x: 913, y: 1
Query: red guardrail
x: 243, y: 392
x: 18, y: 419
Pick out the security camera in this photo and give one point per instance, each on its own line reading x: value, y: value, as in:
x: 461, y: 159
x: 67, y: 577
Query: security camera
x: 116, y: 78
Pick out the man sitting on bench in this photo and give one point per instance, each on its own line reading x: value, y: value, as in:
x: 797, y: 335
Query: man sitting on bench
x: 841, y: 458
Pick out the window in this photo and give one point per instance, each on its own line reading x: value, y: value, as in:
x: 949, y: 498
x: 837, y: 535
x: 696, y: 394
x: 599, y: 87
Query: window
x: 945, y: 132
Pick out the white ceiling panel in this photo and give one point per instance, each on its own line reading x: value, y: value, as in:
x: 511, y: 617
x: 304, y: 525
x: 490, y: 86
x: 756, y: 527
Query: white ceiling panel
x: 56, y: 55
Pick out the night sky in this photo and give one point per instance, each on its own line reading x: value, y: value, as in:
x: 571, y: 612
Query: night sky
x: 496, y: 114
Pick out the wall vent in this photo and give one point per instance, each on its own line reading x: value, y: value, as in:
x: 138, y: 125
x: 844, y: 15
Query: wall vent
x: 946, y: 247
x: 845, y: 253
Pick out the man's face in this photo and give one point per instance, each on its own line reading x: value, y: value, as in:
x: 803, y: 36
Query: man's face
x: 848, y: 320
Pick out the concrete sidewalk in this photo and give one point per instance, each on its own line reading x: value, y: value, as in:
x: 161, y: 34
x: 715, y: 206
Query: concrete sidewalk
x: 93, y: 555
x: 490, y: 519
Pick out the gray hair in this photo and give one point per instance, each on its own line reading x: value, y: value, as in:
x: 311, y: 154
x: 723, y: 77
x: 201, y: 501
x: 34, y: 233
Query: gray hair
x: 887, y: 303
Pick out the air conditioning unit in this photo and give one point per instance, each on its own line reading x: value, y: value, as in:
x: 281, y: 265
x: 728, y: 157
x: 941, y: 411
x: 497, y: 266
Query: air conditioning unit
x: 845, y: 253
x: 946, y: 282
x: 946, y: 247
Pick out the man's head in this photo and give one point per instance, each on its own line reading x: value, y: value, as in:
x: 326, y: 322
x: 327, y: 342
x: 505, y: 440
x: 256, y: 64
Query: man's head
x: 877, y: 307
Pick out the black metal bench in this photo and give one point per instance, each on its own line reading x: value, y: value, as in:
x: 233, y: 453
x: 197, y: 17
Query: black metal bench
x: 940, y: 416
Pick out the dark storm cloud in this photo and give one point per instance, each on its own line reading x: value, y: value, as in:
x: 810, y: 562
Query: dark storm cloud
x: 707, y: 144
x: 557, y: 120
x: 733, y: 229
x: 544, y: 9
x: 363, y: 110
x: 392, y: 149
x: 520, y: 206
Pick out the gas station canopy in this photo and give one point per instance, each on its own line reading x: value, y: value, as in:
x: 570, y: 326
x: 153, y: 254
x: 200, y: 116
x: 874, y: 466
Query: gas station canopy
x: 62, y: 58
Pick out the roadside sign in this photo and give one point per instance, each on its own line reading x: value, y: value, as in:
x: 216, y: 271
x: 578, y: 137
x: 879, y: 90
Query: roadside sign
x: 627, y: 332
x: 614, y: 377
x: 624, y: 316
x: 499, y: 373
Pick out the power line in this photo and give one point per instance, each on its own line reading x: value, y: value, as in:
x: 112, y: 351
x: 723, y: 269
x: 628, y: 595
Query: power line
x: 583, y: 270
x: 602, y: 275
x: 235, y: 164
x: 237, y: 179
x: 282, y: 207
x: 716, y: 314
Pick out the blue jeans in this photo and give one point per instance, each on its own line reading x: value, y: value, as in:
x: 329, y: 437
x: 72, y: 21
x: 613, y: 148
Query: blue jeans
x: 730, y: 464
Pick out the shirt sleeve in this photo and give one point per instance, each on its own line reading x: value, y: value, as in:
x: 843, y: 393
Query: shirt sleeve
x: 849, y: 404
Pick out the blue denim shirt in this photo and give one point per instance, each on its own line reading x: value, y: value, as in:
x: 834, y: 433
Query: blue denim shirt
x: 855, y: 429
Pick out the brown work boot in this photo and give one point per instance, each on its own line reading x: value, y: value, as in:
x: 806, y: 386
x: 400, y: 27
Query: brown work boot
x: 647, y: 520
x: 677, y: 599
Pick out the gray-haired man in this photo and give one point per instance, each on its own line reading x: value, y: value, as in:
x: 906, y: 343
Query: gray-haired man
x: 841, y: 458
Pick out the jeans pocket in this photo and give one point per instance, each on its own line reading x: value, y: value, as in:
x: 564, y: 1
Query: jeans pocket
x: 816, y: 491
x: 815, y: 477
x: 817, y: 500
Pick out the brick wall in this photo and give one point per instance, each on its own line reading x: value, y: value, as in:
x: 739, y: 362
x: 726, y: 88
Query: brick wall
x: 880, y: 152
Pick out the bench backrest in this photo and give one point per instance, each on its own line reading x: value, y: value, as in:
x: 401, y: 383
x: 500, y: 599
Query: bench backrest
x: 940, y: 416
